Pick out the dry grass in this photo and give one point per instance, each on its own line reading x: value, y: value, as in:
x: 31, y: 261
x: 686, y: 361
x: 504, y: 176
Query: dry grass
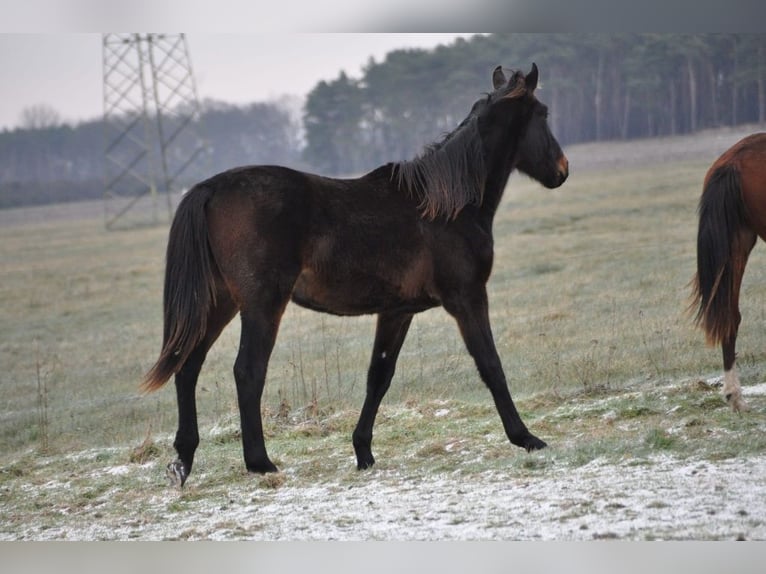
x: 588, y: 294
x: 432, y: 456
x: 588, y: 305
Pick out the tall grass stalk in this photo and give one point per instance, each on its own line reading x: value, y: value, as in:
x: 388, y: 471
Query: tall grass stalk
x: 42, y: 402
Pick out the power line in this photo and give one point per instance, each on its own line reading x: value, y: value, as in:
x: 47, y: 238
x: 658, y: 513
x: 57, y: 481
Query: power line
x: 153, y: 143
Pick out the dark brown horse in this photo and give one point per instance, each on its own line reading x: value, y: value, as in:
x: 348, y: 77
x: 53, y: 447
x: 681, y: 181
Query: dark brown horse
x: 404, y: 238
x: 732, y: 215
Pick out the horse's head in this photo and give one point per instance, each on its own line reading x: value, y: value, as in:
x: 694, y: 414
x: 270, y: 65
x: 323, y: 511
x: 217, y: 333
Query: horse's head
x: 513, y: 108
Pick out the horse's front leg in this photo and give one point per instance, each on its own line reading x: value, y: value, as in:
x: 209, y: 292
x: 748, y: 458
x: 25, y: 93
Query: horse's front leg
x: 472, y: 315
x: 389, y: 337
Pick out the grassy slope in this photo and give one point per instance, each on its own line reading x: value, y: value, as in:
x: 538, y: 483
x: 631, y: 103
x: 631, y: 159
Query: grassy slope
x: 588, y: 303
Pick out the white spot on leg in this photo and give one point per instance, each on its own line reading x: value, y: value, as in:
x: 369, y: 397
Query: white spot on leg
x: 732, y: 390
x: 383, y: 355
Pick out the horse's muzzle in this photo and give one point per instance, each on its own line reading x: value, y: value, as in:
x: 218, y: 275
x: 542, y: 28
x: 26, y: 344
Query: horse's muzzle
x: 563, y: 165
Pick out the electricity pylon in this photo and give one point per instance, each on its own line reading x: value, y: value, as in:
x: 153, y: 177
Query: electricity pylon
x: 152, y: 115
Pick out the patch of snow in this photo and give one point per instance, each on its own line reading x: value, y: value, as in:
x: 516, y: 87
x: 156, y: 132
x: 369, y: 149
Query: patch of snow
x: 751, y: 390
x: 660, y: 498
x: 118, y: 470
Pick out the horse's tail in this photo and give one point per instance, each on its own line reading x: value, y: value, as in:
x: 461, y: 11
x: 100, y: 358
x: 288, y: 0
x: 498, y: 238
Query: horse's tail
x: 721, y: 223
x: 190, y: 289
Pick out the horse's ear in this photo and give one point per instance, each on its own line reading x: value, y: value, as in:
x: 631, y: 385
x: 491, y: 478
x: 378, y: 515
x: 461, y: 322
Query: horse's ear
x: 531, y: 79
x: 498, y: 78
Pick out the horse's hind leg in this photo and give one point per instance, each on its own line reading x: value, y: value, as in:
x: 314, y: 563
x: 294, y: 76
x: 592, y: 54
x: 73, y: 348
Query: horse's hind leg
x: 256, y: 235
x: 187, y: 435
x: 259, y: 332
x: 389, y: 337
x: 732, y: 390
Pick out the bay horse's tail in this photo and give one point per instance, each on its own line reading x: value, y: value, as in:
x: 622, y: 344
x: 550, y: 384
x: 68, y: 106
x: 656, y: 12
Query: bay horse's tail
x: 721, y: 225
x: 189, y: 287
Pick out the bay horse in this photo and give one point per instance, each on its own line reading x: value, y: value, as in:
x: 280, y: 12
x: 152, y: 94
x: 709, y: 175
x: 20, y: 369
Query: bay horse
x: 406, y: 237
x: 732, y: 215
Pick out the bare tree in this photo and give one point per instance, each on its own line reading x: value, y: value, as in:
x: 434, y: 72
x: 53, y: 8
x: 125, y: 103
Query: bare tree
x: 40, y: 116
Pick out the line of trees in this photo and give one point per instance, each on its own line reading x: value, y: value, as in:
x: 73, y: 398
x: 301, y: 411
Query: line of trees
x: 598, y: 87
x: 64, y: 163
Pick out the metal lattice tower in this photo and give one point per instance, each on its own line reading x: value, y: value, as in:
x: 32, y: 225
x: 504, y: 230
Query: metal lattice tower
x: 154, y: 145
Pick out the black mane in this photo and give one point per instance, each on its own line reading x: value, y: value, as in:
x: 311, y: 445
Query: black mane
x: 448, y: 174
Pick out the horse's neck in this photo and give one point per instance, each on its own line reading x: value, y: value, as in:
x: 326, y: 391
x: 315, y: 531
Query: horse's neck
x: 500, y: 168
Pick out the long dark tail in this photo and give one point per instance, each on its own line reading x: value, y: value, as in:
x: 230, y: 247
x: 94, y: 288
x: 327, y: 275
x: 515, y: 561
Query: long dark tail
x: 189, y: 287
x: 721, y: 222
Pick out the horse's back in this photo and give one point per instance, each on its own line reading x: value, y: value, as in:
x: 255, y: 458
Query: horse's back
x: 344, y: 246
x: 748, y: 159
x: 751, y: 158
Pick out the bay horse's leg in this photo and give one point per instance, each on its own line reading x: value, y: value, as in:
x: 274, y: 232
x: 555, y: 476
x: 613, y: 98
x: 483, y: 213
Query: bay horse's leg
x: 732, y: 389
x: 256, y: 232
x: 259, y: 332
x: 389, y: 337
x: 187, y: 435
x: 472, y: 315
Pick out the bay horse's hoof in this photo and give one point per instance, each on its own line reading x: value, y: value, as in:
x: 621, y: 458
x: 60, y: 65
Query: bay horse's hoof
x: 363, y: 452
x: 176, y: 473
x: 534, y: 443
x: 530, y: 442
x: 365, y: 462
x: 262, y: 467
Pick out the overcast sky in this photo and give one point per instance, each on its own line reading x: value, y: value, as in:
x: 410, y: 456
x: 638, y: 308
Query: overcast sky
x: 65, y: 72
x: 232, y: 63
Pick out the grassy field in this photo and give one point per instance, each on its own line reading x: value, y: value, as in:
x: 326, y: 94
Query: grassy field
x: 588, y: 301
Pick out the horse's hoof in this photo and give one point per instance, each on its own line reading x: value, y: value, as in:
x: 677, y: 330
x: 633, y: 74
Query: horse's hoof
x: 176, y: 473
x: 262, y: 467
x: 529, y: 443
x: 737, y: 403
x: 534, y: 443
x: 365, y: 463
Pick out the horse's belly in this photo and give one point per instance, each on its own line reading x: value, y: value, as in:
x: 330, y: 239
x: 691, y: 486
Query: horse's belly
x: 357, y: 295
